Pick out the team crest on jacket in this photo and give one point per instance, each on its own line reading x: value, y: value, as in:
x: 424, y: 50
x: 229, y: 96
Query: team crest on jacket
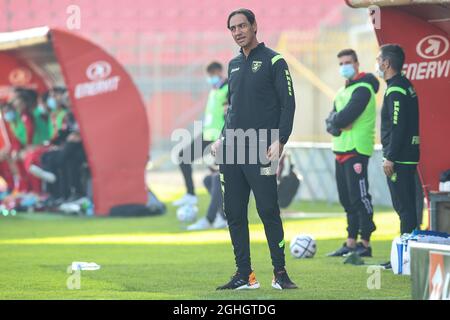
x: 357, y: 167
x: 256, y: 65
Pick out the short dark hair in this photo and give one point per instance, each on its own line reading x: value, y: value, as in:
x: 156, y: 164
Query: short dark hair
x: 213, y: 66
x: 348, y: 52
x: 45, y: 95
x: 395, y: 54
x: 28, y: 96
x: 59, y: 89
x: 246, y: 12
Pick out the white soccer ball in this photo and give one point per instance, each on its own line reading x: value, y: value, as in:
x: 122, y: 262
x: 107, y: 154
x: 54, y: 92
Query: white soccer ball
x: 187, y: 213
x: 303, y: 246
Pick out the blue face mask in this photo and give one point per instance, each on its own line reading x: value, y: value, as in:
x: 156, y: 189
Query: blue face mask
x: 214, y: 81
x: 41, y: 109
x: 347, y: 71
x: 378, y: 70
x: 51, y: 102
x: 10, y: 116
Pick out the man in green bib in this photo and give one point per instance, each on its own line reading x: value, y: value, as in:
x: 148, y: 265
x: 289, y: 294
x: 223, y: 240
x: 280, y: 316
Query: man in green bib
x: 41, y: 121
x: 213, y: 123
x: 352, y: 124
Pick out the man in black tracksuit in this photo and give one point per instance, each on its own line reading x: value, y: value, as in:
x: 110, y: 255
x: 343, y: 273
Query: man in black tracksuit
x: 261, y: 104
x: 399, y: 135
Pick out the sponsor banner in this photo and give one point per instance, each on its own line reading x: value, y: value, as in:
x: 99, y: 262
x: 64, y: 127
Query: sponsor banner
x: 15, y: 73
x: 427, y: 65
x: 112, y: 118
x: 430, y: 271
x: 101, y: 82
x: 432, y: 50
x: 439, y: 276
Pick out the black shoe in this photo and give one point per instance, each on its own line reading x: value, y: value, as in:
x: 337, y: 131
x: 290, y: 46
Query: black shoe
x: 52, y: 202
x: 363, y: 251
x: 240, y: 282
x: 386, y: 265
x: 341, y: 251
x: 282, y: 281
x: 353, y: 258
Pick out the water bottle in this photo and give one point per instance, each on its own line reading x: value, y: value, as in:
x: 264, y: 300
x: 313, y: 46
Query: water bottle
x: 89, y: 266
x: 90, y: 210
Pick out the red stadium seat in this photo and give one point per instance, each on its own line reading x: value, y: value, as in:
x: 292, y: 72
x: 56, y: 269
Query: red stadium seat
x: 189, y: 33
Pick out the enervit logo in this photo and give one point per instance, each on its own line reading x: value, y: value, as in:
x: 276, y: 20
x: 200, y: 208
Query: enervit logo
x: 432, y: 47
x: 20, y: 76
x: 98, y: 70
x: 101, y: 81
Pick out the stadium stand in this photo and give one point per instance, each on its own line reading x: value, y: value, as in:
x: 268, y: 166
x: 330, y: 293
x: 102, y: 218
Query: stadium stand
x: 158, y: 39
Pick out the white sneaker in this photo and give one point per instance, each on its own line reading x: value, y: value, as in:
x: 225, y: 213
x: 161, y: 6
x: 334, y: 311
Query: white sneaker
x: 202, y: 224
x: 220, y: 222
x: 187, y: 199
x: 70, y: 207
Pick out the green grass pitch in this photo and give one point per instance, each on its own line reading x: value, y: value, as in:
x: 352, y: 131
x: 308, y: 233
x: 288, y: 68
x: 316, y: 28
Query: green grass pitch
x: 154, y: 258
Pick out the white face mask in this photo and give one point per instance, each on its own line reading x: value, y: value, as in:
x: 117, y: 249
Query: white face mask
x: 378, y: 71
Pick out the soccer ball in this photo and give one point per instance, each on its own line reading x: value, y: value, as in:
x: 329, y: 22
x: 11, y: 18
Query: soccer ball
x: 187, y: 213
x: 303, y: 246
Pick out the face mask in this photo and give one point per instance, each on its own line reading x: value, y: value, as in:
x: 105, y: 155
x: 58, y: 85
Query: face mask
x: 214, y: 80
x: 41, y: 109
x: 10, y: 116
x: 347, y: 71
x: 378, y: 71
x: 51, y: 102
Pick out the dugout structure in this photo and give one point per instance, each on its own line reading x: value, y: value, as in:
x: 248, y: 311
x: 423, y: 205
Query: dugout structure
x: 105, y: 102
x: 423, y: 30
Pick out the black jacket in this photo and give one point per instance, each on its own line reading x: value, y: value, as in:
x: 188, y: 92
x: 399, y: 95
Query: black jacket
x: 400, y: 121
x: 260, y: 93
x: 337, y: 121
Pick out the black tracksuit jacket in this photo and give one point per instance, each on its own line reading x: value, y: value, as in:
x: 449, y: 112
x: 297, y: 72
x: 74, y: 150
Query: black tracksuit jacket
x: 260, y: 94
x: 400, y: 121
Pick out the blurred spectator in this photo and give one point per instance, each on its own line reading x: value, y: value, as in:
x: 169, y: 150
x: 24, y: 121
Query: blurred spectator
x: 41, y: 120
x: 213, y: 123
x: 66, y: 156
x: 5, y: 150
x: 215, y: 217
x: 19, y: 118
x: 40, y: 142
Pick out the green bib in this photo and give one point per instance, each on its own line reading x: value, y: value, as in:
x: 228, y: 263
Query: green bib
x: 361, y: 137
x: 56, y: 122
x: 214, y: 119
x: 41, y: 129
x: 19, y: 130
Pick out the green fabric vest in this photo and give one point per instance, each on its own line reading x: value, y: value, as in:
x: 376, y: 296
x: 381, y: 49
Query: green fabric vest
x: 214, y: 119
x: 361, y: 137
x: 42, y: 128
x: 59, y: 118
x: 19, y: 130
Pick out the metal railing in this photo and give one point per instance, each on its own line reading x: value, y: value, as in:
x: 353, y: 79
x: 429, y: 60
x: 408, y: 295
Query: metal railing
x: 316, y: 163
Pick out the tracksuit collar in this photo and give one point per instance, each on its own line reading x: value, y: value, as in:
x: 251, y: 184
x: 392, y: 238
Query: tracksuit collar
x: 255, y: 49
x: 397, y: 76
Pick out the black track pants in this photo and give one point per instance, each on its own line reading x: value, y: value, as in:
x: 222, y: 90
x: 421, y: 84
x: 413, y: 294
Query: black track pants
x: 403, y: 193
x: 237, y: 181
x: 353, y: 189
